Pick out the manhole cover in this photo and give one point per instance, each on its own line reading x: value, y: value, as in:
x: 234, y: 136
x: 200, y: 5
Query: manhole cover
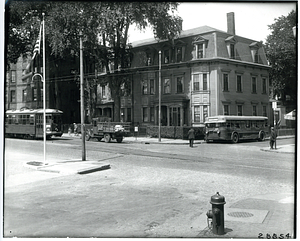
x: 240, y: 214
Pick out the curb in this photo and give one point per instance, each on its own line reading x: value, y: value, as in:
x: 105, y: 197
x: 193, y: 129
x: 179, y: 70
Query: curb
x: 169, y: 141
x: 161, y: 143
x: 90, y: 170
x: 63, y: 169
x: 276, y: 150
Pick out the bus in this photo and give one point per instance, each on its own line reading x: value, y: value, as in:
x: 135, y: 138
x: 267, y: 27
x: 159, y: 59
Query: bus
x: 28, y: 123
x: 236, y: 128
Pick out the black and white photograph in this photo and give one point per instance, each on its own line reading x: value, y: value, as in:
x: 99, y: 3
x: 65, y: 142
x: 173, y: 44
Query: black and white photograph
x: 149, y: 119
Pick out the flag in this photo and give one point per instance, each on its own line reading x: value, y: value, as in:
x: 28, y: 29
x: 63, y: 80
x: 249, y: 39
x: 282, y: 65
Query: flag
x: 37, y: 46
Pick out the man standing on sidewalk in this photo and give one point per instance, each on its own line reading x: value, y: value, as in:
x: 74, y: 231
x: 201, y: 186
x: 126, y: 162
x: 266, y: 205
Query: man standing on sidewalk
x: 191, y: 136
x: 272, y: 138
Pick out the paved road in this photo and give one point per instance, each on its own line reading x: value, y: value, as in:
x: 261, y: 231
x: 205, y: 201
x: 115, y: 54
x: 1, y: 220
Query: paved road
x: 150, y: 190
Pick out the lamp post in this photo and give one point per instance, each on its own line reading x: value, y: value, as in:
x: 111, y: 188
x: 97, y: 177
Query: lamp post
x: 44, y: 110
x: 82, y: 100
x: 159, y: 98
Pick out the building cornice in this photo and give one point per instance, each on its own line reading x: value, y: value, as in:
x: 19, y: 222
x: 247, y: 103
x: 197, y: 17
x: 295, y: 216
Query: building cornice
x: 231, y: 61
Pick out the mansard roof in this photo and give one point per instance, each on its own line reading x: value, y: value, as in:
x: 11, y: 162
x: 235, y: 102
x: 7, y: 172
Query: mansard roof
x: 184, y: 33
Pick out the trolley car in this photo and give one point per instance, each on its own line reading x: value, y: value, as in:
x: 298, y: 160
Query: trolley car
x: 28, y: 123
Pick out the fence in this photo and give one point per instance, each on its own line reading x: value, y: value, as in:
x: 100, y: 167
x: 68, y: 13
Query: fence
x: 173, y: 132
x: 176, y: 132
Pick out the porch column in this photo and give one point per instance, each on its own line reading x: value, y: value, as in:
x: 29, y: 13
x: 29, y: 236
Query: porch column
x: 181, y: 116
x: 156, y: 116
x: 168, y: 116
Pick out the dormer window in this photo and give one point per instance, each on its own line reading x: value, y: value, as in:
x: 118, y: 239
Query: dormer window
x: 200, y: 44
x: 200, y: 51
x: 254, y: 51
x: 149, y: 56
x: 178, y: 54
x: 179, y: 51
x: 166, y: 56
x: 230, y: 44
x: 232, y: 53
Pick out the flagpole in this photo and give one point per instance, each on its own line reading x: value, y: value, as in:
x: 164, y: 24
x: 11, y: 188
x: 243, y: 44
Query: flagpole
x: 44, y: 86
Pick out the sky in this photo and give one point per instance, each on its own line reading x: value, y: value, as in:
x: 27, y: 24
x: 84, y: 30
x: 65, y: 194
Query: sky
x: 251, y: 19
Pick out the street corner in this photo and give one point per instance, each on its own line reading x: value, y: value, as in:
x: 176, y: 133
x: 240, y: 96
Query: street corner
x: 290, y: 149
x: 69, y: 166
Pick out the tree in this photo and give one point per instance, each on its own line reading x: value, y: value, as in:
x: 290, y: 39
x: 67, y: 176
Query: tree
x: 281, y: 53
x: 104, y: 26
x: 22, y: 24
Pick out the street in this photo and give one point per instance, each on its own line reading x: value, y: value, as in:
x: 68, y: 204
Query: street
x: 151, y: 190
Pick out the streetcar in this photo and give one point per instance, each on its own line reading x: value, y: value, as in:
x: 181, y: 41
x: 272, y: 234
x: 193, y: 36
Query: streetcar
x: 28, y: 123
x: 236, y: 128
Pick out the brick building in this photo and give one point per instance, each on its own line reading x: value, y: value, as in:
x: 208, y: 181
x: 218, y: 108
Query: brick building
x: 62, y: 90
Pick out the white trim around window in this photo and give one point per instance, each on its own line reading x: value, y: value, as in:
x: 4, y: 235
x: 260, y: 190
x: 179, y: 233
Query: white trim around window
x: 202, y: 81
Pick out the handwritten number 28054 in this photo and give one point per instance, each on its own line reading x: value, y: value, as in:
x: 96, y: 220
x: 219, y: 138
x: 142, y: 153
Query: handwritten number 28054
x: 274, y: 236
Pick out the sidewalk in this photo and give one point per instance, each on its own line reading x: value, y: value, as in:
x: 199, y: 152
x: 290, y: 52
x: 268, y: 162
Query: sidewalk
x: 266, y: 216
x: 148, y: 140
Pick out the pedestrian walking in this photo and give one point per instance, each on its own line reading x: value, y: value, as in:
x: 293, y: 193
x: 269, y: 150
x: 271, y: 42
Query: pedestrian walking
x: 191, y: 136
x: 272, y: 138
x: 75, y: 129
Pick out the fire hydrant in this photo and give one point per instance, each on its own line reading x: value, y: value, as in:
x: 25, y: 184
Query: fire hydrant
x: 217, y: 213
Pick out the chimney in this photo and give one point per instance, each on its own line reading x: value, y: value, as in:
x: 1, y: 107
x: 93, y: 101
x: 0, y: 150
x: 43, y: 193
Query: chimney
x: 230, y: 23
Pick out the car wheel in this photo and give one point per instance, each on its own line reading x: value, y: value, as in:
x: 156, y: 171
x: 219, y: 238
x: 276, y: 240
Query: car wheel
x: 235, y: 137
x: 262, y: 136
x: 87, y: 136
x: 107, y: 138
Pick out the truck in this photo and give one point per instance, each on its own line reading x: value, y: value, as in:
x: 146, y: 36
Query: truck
x: 105, y: 129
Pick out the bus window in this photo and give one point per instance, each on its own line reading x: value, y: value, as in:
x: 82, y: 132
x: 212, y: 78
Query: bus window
x: 211, y: 125
x: 255, y: 124
x: 237, y: 125
x: 248, y: 124
x: 242, y: 124
x: 228, y: 124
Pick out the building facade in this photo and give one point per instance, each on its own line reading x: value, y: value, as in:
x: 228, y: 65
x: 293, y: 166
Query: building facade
x: 204, y: 72
x: 25, y: 90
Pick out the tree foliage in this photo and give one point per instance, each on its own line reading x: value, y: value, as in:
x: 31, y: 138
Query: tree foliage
x: 282, y: 55
x: 104, y: 27
x: 23, y: 20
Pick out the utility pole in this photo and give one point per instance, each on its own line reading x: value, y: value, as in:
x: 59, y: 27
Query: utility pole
x: 159, y: 98
x: 82, y: 99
